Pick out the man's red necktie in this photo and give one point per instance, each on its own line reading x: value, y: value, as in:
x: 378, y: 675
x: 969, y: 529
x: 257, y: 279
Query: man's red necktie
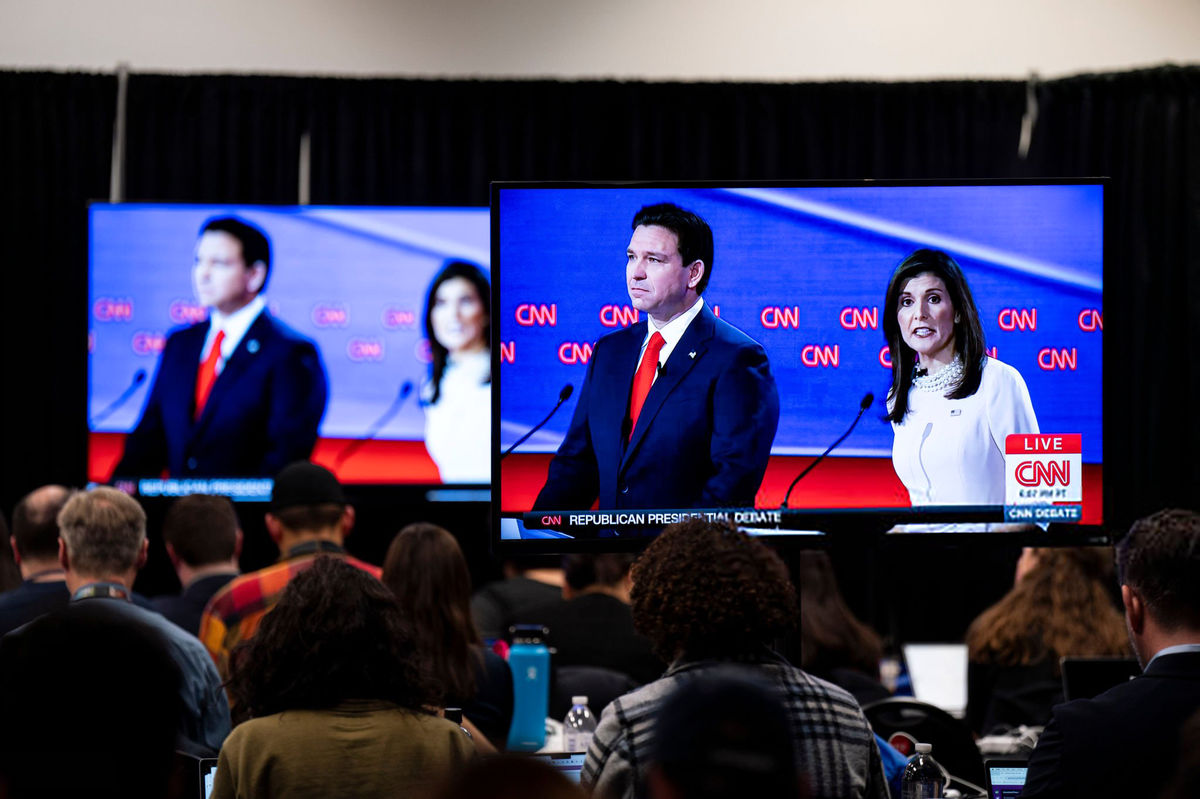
x: 643, y: 379
x: 207, y: 375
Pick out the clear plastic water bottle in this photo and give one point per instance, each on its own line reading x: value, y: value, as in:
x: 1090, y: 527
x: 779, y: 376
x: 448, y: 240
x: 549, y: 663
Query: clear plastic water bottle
x: 923, y: 777
x: 579, y: 726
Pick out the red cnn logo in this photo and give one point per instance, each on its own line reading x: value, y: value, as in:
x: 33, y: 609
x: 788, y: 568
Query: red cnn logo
x: 1018, y: 319
x: 618, y: 316
x: 183, y: 312
x: 1090, y: 320
x: 148, y: 342
x: 773, y: 317
x: 859, y: 318
x: 330, y: 316
x: 542, y: 315
x: 571, y: 352
x: 508, y: 351
x: 1044, y: 473
x: 399, y: 319
x: 1051, y: 359
x: 823, y: 355
x: 547, y: 520
x: 885, y: 357
x: 107, y: 309
x: 362, y: 350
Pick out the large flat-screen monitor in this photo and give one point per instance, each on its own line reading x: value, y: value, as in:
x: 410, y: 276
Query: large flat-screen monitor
x: 997, y: 310
x: 324, y: 314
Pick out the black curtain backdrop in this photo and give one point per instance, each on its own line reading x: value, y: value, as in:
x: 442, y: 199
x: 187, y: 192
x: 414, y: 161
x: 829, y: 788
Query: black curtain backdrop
x: 380, y: 141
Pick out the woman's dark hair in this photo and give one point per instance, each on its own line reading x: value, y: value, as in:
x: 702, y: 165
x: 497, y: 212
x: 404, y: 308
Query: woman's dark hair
x: 336, y: 633
x: 439, y: 353
x: 707, y: 589
x: 968, y: 332
x: 831, y: 636
x: 426, y: 571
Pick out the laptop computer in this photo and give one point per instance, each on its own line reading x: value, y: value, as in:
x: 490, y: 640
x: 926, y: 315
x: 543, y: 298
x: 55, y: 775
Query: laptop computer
x: 1084, y: 678
x: 569, y: 764
x: 1005, y: 777
x: 939, y: 675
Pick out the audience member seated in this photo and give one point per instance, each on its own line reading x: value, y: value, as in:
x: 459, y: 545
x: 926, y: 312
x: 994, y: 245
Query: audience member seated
x: 35, y: 550
x: 338, y: 702
x: 203, y: 541
x: 308, y: 516
x: 1125, y: 742
x: 835, y: 645
x: 1060, y: 605
x: 91, y: 706
x: 592, y: 624
x: 528, y: 583
x: 723, y: 736
x: 102, y: 546
x: 1185, y: 782
x: 509, y: 777
x: 427, y: 572
x: 707, y: 596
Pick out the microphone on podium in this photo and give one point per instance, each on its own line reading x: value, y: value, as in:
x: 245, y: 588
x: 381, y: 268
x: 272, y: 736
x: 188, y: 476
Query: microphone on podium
x: 563, y: 396
x: 406, y: 388
x: 863, y: 404
x: 139, y: 377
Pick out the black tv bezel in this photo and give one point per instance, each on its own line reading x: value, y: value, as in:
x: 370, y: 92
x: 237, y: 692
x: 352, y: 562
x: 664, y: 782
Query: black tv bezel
x: 868, y: 525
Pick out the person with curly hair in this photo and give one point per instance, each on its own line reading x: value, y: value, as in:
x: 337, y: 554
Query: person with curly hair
x: 710, y: 598
x: 337, y: 697
x: 1059, y: 606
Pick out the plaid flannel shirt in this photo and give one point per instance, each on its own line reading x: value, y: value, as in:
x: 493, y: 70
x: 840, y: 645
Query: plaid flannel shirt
x: 835, y: 748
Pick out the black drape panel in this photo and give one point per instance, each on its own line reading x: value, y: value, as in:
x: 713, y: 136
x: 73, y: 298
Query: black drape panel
x: 55, y: 145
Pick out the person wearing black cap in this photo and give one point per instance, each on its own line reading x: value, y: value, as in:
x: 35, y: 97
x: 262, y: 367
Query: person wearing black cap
x: 308, y: 517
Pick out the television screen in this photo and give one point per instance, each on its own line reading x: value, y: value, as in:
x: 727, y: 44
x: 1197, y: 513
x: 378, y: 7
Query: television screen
x: 323, y: 350
x: 996, y: 310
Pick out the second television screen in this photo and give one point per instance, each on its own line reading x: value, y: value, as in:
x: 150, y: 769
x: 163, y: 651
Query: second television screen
x: 803, y: 271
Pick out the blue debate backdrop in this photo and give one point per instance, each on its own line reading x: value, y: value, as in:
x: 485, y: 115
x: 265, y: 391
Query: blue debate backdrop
x: 804, y: 270
x: 353, y: 279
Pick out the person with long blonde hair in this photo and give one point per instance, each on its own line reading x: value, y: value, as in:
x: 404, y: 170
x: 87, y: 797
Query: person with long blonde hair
x: 1060, y: 605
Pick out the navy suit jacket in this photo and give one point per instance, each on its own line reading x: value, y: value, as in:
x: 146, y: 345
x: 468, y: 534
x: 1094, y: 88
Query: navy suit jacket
x: 702, y: 439
x: 1124, y: 742
x: 261, y: 415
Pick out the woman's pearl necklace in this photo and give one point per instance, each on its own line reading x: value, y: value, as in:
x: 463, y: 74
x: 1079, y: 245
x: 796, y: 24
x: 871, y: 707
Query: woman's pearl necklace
x: 941, y: 381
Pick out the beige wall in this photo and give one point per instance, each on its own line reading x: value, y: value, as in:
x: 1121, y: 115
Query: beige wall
x: 657, y: 39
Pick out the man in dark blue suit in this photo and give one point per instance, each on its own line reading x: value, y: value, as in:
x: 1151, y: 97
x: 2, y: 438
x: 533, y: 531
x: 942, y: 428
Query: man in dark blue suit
x: 1125, y: 742
x: 678, y: 411
x: 240, y: 394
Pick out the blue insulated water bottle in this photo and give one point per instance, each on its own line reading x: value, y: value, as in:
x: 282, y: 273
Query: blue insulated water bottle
x: 529, y: 660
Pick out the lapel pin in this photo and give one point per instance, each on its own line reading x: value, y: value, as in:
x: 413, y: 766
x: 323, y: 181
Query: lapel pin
x: 252, y: 346
x: 956, y: 411
x: 692, y: 354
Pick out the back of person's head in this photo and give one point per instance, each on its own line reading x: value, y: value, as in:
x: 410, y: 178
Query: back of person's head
x: 104, y: 531
x: 256, y: 247
x: 722, y: 736
x: 831, y: 636
x: 584, y: 571
x: 336, y: 633
x: 202, y: 529
x: 427, y: 572
x: 1160, y: 559
x: 1062, y: 606
x: 35, y: 522
x: 307, y: 498
x: 509, y: 777
x: 1185, y: 783
x: 91, y: 703
x: 707, y: 589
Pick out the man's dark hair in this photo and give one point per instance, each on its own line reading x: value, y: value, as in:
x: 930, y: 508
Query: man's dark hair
x: 255, y: 244
x: 202, y: 529
x: 969, y: 342
x: 706, y: 589
x: 608, y: 569
x: 90, y: 697
x: 1160, y: 558
x: 694, y: 234
x: 310, y: 518
x: 336, y: 633
x: 35, y: 522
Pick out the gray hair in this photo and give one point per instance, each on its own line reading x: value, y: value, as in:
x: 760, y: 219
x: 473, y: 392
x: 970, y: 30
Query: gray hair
x: 103, y: 530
